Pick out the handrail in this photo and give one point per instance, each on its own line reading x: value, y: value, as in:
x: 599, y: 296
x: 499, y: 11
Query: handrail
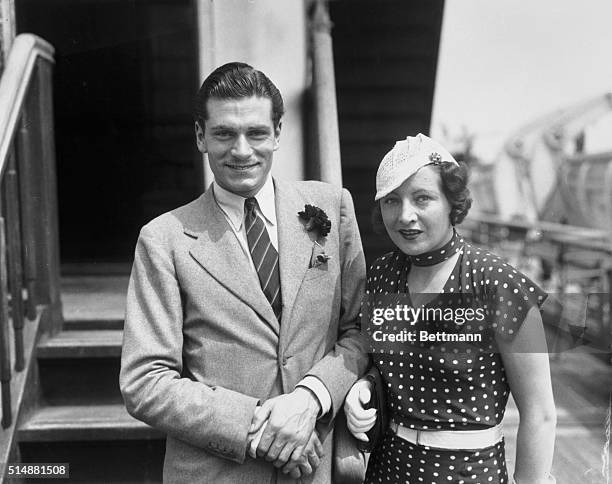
x: 580, y: 236
x: 603, y: 157
x: 25, y: 51
x: 564, y: 239
x: 29, y: 247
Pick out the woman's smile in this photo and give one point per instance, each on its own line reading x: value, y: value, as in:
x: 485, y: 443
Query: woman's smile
x: 410, y: 234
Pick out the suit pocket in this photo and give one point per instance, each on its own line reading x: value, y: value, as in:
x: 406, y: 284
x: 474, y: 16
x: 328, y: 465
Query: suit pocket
x: 316, y: 272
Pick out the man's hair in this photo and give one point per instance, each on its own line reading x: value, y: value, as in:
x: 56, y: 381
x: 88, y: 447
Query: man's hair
x: 454, y: 183
x: 237, y: 80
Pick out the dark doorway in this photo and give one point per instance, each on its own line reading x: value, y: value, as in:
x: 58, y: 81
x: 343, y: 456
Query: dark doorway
x: 385, y: 59
x: 125, y: 76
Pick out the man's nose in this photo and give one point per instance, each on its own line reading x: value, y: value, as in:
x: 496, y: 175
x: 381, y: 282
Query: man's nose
x: 242, y: 148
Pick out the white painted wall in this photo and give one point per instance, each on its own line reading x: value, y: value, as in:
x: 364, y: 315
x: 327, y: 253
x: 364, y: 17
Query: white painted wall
x: 504, y: 63
x: 271, y: 36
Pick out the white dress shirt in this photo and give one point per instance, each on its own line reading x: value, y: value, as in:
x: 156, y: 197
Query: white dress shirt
x: 232, y: 206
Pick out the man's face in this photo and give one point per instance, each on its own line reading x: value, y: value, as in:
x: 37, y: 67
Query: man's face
x: 240, y: 140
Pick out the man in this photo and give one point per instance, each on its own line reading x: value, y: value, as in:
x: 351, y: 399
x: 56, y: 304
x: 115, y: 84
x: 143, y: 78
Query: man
x: 241, y: 336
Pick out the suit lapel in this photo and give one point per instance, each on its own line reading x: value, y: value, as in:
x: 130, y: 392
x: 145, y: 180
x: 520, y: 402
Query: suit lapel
x: 218, y: 251
x: 294, y: 244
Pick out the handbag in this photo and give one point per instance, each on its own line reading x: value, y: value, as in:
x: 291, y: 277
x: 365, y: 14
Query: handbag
x: 349, y: 462
x: 379, y: 402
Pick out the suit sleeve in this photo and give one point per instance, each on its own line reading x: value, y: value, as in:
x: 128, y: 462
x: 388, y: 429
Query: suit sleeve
x: 348, y: 359
x: 152, y: 381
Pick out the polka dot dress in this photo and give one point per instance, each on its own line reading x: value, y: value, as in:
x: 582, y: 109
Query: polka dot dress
x: 450, y: 386
x: 398, y: 461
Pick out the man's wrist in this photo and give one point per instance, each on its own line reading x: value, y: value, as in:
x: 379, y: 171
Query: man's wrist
x: 313, y: 401
x: 319, y: 390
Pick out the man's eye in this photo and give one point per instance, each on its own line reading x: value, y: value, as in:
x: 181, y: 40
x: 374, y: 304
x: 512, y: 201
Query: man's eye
x: 258, y: 135
x: 423, y: 198
x: 390, y: 201
x: 223, y: 134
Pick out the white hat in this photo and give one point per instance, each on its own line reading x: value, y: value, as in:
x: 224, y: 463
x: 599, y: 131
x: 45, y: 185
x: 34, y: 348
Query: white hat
x: 405, y: 159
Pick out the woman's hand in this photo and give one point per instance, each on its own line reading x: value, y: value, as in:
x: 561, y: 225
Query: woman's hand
x: 359, y: 419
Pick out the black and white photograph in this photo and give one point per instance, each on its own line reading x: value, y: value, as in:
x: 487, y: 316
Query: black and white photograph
x: 305, y: 241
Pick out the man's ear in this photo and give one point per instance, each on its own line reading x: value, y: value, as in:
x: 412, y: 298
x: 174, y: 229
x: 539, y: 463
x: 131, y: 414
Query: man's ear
x: 277, y: 132
x: 200, y: 140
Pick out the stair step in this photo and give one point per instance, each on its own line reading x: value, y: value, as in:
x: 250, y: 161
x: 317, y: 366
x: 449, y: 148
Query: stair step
x: 101, y: 461
x: 94, y: 302
x: 86, y: 423
x: 98, y: 343
x: 82, y: 381
x: 79, y: 324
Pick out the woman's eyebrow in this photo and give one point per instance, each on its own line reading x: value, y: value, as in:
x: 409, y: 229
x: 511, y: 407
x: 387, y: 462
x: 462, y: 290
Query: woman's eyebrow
x: 423, y: 190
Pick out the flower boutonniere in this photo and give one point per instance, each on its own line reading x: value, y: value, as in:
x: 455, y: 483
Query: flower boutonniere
x: 316, y: 220
x: 319, y: 257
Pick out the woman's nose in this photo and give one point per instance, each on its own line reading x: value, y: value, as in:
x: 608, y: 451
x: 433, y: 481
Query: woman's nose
x: 241, y: 148
x: 407, y: 214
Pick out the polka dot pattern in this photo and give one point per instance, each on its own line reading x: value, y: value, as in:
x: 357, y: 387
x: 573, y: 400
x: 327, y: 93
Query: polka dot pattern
x: 397, y: 461
x: 451, y: 386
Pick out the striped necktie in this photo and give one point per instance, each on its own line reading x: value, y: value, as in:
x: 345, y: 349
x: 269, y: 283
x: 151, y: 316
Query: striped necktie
x: 264, y: 255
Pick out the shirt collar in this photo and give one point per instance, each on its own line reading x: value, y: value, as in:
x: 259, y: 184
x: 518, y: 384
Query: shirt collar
x: 233, y: 205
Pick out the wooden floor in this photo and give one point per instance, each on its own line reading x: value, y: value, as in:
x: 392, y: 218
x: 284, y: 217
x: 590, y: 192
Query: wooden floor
x: 582, y: 385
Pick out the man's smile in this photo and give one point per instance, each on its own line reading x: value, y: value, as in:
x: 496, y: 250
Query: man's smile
x: 241, y: 167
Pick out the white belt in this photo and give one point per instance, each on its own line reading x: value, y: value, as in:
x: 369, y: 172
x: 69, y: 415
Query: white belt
x: 450, y: 439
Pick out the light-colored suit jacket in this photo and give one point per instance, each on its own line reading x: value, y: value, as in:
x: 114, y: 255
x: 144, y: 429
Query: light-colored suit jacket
x: 202, y: 345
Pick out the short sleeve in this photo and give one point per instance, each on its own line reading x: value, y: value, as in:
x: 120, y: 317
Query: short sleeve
x: 511, y: 296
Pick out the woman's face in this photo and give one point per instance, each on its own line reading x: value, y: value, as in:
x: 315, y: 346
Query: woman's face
x: 417, y: 213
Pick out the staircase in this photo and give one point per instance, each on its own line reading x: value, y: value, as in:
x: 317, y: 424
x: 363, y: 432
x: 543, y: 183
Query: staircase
x: 80, y: 418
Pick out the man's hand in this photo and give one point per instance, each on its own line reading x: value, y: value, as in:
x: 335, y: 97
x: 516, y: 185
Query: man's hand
x: 290, y: 422
x: 254, y: 436
x: 304, y: 460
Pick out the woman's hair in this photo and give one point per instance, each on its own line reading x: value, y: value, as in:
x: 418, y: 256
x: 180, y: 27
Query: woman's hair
x: 453, y: 181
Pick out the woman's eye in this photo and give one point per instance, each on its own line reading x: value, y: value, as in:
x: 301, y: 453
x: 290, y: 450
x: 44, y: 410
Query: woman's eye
x: 423, y: 198
x: 390, y: 201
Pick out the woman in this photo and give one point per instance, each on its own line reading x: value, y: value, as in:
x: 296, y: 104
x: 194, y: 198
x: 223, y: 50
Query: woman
x: 446, y: 399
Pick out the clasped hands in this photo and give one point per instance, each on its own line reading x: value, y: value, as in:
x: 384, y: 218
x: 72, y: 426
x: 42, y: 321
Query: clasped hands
x: 282, y: 431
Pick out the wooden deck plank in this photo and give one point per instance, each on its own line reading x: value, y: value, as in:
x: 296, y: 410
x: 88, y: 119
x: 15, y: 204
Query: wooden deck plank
x: 582, y: 387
